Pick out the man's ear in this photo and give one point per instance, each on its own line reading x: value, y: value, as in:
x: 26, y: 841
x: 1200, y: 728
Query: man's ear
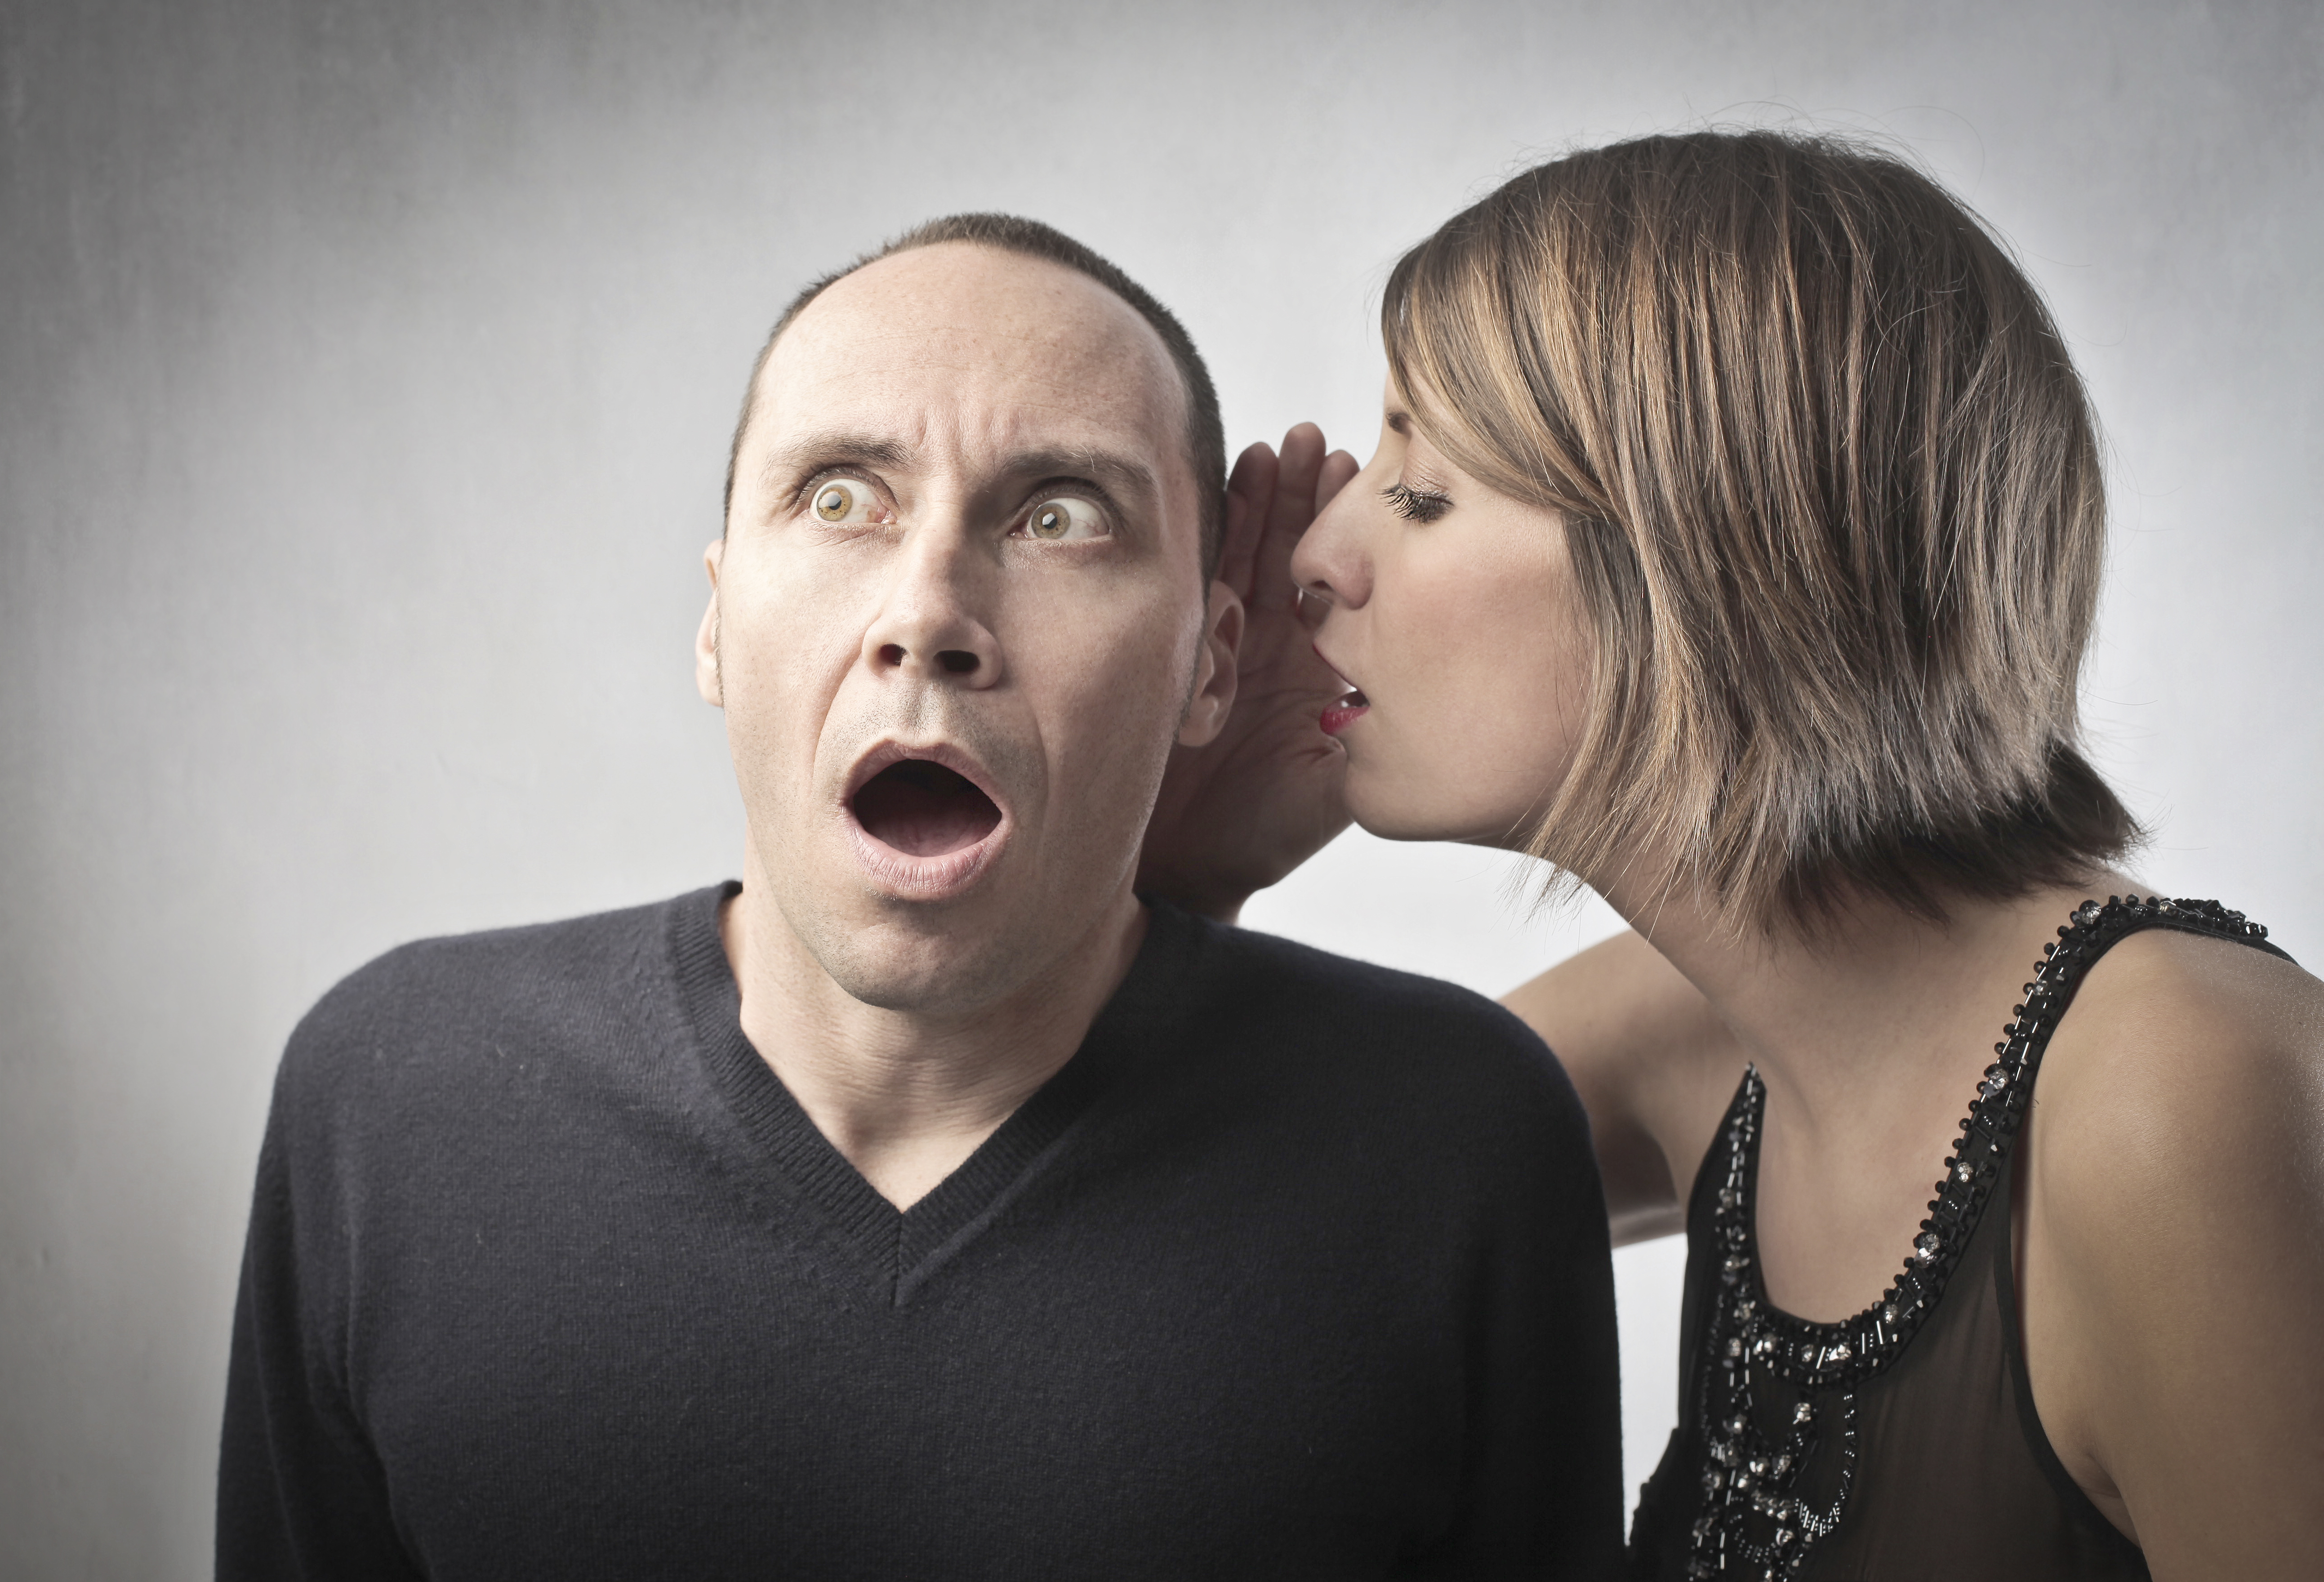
x: 705, y: 637
x: 1215, y: 675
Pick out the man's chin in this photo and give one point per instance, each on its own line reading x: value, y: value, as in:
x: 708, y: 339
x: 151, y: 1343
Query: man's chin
x: 930, y: 958
x: 922, y: 982
x: 970, y: 945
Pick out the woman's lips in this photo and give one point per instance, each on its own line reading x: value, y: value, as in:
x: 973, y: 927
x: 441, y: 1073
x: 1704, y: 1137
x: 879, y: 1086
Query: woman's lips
x: 1344, y: 713
x: 1349, y: 709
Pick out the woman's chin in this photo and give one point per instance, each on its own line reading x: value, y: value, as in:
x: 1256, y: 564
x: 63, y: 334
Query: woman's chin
x: 1419, y: 817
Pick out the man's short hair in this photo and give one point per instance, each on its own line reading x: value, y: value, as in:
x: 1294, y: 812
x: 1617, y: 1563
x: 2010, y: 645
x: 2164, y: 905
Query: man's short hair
x: 1206, y: 445
x: 1833, y: 495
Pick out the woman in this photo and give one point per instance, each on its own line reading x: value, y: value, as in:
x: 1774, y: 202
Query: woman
x: 1732, y: 545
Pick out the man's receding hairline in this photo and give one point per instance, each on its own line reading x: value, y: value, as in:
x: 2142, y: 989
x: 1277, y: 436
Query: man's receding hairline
x: 1145, y: 326
x: 976, y: 245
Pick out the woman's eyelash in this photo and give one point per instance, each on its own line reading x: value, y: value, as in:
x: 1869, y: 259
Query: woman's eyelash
x: 1416, y: 505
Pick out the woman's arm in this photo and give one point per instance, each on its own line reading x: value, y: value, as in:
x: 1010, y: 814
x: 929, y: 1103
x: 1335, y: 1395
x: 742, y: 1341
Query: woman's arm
x: 2172, y: 1255
x: 1655, y: 1066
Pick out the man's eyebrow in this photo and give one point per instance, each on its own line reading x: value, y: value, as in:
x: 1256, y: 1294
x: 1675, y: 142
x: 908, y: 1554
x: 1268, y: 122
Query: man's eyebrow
x: 1117, y: 475
x: 831, y: 447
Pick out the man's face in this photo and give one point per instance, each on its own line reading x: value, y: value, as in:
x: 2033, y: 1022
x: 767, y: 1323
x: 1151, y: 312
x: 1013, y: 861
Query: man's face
x: 958, y: 618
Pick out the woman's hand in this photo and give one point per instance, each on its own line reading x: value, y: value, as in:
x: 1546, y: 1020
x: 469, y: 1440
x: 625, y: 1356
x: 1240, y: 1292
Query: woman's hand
x: 1241, y: 813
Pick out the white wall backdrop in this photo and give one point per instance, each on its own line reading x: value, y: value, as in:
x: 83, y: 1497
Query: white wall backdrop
x: 364, y: 377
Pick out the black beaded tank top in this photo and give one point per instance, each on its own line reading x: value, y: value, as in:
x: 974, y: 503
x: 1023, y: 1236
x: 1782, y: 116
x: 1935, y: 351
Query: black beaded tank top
x: 1902, y: 1443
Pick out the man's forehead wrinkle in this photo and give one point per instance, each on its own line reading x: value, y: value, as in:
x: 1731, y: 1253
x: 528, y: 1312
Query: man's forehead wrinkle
x: 972, y: 363
x: 1005, y: 311
x: 976, y: 378
x: 1060, y: 423
x: 1062, y: 363
x: 994, y: 417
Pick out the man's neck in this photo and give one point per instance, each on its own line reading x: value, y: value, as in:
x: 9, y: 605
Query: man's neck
x: 907, y: 1096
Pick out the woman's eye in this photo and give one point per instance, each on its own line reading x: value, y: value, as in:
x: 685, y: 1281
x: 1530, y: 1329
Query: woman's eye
x: 1062, y: 517
x: 839, y: 500
x: 1416, y: 505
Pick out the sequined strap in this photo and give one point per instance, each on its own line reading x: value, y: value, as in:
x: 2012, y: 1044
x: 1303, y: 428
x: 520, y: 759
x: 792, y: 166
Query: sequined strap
x: 1831, y: 1355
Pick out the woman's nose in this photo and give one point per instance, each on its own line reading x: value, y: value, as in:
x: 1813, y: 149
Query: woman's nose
x: 1330, y: 563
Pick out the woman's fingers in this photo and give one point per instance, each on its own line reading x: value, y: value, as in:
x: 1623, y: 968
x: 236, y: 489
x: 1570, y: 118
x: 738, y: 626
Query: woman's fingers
x: 1250, y: 497
x: 1338, y: 470
x: 1237, y: 544
x: 1294, y: 485
x: 1298, y: 472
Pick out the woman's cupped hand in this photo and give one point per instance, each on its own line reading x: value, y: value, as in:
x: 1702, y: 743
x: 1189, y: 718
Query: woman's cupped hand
x: 1239, y: 813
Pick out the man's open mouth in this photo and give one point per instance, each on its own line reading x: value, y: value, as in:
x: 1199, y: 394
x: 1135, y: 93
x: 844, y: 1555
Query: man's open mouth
x: 924, y: 809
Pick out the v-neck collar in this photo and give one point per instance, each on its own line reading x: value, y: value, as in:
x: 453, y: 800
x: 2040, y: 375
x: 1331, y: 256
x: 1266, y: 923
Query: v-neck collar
x: 900, y: 1249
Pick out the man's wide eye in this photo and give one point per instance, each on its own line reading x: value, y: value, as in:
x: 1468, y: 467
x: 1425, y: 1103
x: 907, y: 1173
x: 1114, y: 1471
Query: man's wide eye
x: 842, y: 500
x: 1064, y: 517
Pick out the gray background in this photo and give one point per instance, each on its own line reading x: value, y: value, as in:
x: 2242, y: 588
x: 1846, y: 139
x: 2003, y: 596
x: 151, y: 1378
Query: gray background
x: 364, y: 377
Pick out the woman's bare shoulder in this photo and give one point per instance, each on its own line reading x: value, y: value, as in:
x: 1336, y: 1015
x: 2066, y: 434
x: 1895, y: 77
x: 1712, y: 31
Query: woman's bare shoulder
x: 2176, y: 1186
x: 2168, y: 1023
x: 2184, y: 1059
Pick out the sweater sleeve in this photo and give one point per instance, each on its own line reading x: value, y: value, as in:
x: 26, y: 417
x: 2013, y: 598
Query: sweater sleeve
x: 1545, y: 1476
x: 300, y: 1494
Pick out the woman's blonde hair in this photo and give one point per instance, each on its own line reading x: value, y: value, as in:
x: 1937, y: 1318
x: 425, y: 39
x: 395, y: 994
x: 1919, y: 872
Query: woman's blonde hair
x: 1832, y: 493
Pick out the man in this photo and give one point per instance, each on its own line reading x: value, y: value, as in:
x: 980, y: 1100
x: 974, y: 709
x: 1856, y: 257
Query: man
x: 927, y: 1206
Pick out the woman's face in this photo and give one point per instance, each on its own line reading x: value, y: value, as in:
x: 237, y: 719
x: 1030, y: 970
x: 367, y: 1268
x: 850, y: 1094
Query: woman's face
x: 1451, y: 614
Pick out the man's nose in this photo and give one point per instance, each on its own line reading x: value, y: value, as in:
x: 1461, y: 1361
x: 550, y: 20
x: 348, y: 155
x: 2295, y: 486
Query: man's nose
x: 931, y: 626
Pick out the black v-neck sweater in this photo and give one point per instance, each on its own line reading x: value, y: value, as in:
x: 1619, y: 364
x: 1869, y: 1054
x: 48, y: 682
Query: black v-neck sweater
x: 1298, y: 1269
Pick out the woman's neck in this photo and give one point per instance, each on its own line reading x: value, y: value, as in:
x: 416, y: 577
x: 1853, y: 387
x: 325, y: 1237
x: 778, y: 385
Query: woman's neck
x: 1870, y: 1037
x: 1838, y: 1016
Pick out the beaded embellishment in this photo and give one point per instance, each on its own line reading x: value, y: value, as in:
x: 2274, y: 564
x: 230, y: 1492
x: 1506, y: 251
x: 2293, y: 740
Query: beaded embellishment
x: 1769, y: 1493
